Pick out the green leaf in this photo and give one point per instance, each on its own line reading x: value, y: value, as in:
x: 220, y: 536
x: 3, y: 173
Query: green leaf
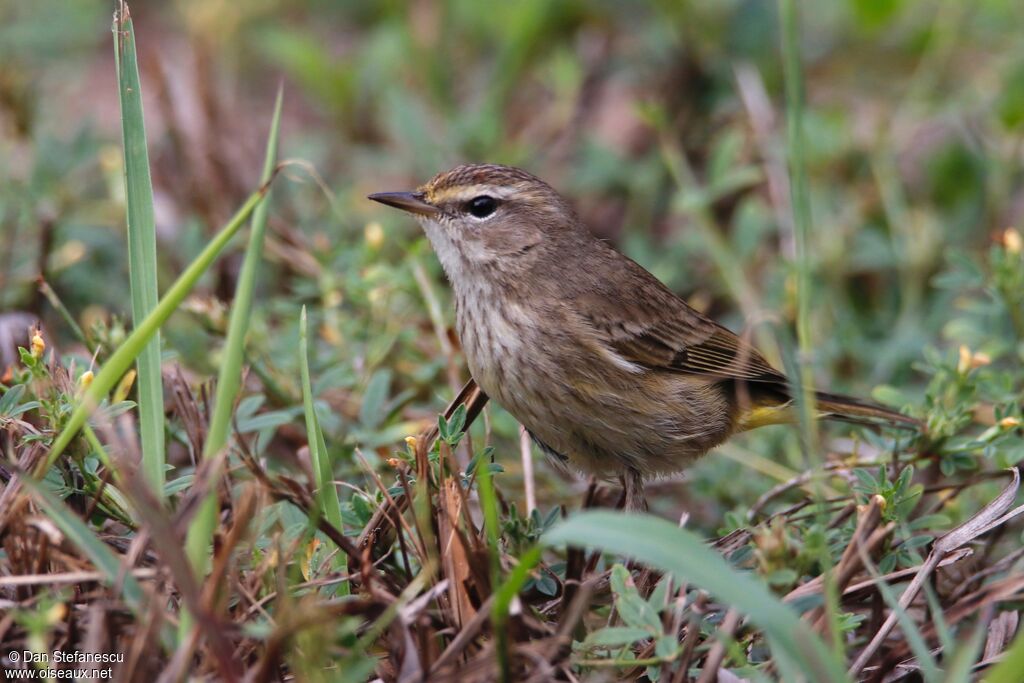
x: 659, y: 594
x: 620, y: 580
x: 268, y: 420
x: 25, y: 407
x: 638, y: 613
x: 916, y: 542
x: 178, y: 485
x: 904, y: 479
x: 11, y: 398
x: 782, y: 577
x: 933, y: 521
x: 361, y: 508
x: 248, y: 406
x: 458, y: 420
x: 546, y: 585
x: 667, y: 647
x: 866, y: 482
x: 109, y: 412
x: 615, y: 636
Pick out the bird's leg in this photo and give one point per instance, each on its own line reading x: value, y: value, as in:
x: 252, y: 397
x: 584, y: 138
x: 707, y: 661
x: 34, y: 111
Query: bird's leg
x: 633, y: 483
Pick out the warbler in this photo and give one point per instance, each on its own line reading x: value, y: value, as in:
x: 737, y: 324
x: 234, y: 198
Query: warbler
x: 609, y: 370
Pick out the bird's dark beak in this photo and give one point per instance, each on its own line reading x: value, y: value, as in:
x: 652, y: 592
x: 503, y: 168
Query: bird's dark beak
x: 406, y: 201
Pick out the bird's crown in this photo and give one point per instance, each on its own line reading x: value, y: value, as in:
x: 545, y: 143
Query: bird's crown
x: 465, y: 182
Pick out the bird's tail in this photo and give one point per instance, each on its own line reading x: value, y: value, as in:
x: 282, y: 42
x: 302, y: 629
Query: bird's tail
x: 828, y: 407
x: 849, y: 409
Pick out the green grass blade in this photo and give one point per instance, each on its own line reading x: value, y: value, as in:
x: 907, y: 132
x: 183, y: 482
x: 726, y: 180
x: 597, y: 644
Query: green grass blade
x: 322, y: 470
x: 661, y: 544
x: 76, y: 531
x: 142, y: 266
x: 122, y: 358
x: 503, y: 596
x: 229, y: 378
x: 489, y: 507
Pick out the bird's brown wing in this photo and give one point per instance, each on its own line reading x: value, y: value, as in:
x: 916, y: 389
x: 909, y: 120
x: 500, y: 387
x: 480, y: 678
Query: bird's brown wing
x: 659, y: 330
x: 702, y: 348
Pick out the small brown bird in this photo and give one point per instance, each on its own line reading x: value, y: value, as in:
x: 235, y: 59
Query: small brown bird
x: 607, y: 369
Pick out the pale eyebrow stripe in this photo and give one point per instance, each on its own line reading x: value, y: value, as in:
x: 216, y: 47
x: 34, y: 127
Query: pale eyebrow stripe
x: 467, y: 192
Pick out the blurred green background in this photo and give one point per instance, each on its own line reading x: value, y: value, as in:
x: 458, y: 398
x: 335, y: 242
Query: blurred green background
x: 663, y: 121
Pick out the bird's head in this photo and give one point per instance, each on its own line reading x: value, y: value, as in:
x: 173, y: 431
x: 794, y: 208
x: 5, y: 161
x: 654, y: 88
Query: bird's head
x: 485, y: 214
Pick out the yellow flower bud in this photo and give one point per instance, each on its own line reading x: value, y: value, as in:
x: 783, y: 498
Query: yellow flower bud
x: 38, y: 346
x: 1010, y: 422
x: 411, y: 442
x: 969, y: 360
x: 86, y: 379
x: 124, y: 386
x: 56, y: 613
x: 306, y: 566
x: 964, y: 363
x: 1013, y: 241
x: 374, y: 235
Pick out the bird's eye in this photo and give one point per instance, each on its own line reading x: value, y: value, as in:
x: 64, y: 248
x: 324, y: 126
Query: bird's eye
x: 482, y: 206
